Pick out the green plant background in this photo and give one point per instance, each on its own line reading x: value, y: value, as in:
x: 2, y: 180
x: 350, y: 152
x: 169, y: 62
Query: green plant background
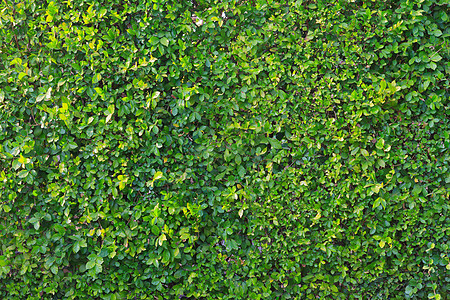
x: 224, y: 149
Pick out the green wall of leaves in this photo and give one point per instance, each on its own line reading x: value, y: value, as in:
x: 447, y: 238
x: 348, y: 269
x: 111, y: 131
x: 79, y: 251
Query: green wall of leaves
x: 224, y: 149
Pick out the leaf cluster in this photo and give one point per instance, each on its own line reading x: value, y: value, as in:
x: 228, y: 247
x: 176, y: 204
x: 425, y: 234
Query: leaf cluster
x: 224, y: 149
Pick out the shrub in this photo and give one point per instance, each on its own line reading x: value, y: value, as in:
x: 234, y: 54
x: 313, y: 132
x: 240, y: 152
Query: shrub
x: 224, y: 149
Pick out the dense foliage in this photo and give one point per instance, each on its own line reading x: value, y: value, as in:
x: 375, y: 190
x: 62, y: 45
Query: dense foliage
x: 224, y: 149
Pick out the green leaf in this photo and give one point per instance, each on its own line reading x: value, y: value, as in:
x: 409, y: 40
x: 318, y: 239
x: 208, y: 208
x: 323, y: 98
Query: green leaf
x: 417, y: 189
x: 241, y: 171
x: 100, y: 92
x: 161, y: 239
x: 376, y: 189
x: 437, y: 32
x: 376, y: 203
x: 54, y: 269
x: 96, y: 78
x: 16, y: 60
x: 90, y: 264
x: 48, y: 94
x: 432, y: 65
x: 23, y: 173
x: 274, y: 143
x: 164, y: 41
x: 16, y: 164
x: 72, y: 145
x: 22, y: 75
x: 380, y: 144
x: 409, y: 289
x: 83, y: 243
x: 184, y: 233
x: 49, y: 262
x: 112, y: 254
x: 166, y: 256
x: 6, y: 208
x: 111, y: 109
x: 435, y: 57
x: 158, y: 175
x: 354, y: 151
x: 238, y: 159
x: 76, y: 247
x: 59, y: 228
x: 382, y: 86
x: 98, y: 268
x: 155, y: 230
x: 154, y: 40
x: 40, y: 98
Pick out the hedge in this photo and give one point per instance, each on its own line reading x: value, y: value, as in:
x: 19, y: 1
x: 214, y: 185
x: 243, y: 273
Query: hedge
x: 224, y: 149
